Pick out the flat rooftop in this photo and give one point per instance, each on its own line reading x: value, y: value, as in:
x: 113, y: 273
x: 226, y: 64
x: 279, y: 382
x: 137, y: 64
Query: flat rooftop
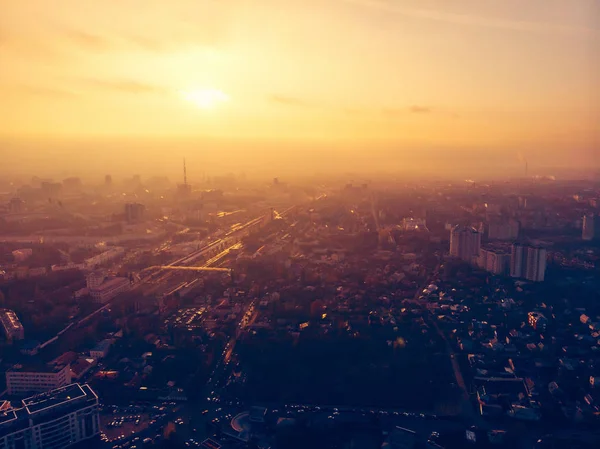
x: 7, y: 416
x: 36, y: 368
x: 10, y: 320
x: 54, y: 398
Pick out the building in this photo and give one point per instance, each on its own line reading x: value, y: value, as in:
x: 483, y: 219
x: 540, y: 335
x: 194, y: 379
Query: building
x: 537, y: 320
x: 105, y: 257
x: 53, y: 420
x: 591, y: 227
x: 110, y: 288
x: 20, y: 255
x: 464, y: 243
x: 101, y: 349
x: 26, y: 379
x: 494, y: 260
x: 51, y: 189
x: 528, y: 262
x: 72, y: 184
x: 11, y: 326
x: 95, y: 279
x: 16, y: 205
x: 504, y: 230
x: 134, y: 212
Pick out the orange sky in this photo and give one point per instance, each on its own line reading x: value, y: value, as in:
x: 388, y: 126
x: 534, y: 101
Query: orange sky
x: 460, y: 72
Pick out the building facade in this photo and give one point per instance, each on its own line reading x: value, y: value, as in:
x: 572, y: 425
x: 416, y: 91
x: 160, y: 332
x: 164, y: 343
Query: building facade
x: 464, y: 243
x: 591, y: 227
x: 134, y: 212
x: 22, y: 380
x: 53, y: 420
x: 528, y: 262
x: 494, y: 261
x: 504, y: 230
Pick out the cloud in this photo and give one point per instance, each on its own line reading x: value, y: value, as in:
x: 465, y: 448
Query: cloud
x: 42, y: 91
x: 288, y: 101
x: 415, y: 109
x: 87, y: 40
x: 420, y: 109
x: 473, y: 20
x: 125, y: 86
x: 146, y: 43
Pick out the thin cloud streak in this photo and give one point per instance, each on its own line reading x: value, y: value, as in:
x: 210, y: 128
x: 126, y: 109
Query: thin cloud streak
x: 41, y: 91
x: 125, y: 86
x: 87, y: 40
x: 415, y: 109
x: 288, y: 101
x: 420, y: 109
x: 473, y: 20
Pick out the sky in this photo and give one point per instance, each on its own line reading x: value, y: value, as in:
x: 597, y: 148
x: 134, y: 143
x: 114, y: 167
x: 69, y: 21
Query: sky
x: 504, y: 77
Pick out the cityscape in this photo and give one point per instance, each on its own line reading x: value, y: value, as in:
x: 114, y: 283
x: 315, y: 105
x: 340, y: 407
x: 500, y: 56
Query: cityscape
x: 300, y: 224
x: 234, y: 313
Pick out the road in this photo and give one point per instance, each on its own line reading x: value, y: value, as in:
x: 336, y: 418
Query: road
x: 466, y: 408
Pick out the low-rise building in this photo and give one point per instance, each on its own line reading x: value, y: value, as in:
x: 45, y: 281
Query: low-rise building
x: 53, y: 420
x: 12, y: 327
x: 101, y: 349
x: 110, y: 288
x: 105, y: 257
x: 22, y: 379
x: 537, y: 320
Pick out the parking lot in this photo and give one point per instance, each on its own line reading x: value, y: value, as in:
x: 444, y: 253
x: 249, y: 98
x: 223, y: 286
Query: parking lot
x: 121, y: 425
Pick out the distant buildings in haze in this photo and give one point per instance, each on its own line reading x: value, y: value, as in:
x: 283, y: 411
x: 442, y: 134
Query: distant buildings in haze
x: 504, y: 230
x: 134, y: 212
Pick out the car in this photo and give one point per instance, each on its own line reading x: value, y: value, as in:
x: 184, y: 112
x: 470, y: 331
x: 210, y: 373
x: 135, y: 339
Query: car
x: 204, y: 412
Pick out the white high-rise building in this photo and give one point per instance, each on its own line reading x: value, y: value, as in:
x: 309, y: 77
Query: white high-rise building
x: 536, y: 264
x: 464, y: 243
x: 528, y: 262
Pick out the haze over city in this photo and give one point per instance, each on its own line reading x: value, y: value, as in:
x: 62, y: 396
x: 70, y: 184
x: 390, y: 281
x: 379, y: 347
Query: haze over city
x: 337, y: 84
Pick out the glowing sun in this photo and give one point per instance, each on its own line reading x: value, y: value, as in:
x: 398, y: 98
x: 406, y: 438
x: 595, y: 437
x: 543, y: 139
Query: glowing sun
x: 204, y: 98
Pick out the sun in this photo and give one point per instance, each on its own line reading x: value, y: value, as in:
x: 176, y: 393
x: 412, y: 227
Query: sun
x: 204, y: 98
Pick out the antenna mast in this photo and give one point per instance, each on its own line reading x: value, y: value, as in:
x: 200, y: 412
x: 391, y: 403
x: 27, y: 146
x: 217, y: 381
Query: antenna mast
x: 184, y: 173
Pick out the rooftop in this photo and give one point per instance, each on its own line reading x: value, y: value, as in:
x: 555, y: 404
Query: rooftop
x: 10, y: 320
x: 103, y: 345
x: 111, y: 283
x: 54, y: 398
x: 36, y: 368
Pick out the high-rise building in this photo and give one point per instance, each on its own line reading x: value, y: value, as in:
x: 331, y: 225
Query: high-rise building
x: 134, y: 212
x: 591, y: 227
x: 108, y: 180
x: 464, y: 243
x: 494, y: 261
x: 15, y: 205
x: 528, y: 262
x: 54, y: 420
